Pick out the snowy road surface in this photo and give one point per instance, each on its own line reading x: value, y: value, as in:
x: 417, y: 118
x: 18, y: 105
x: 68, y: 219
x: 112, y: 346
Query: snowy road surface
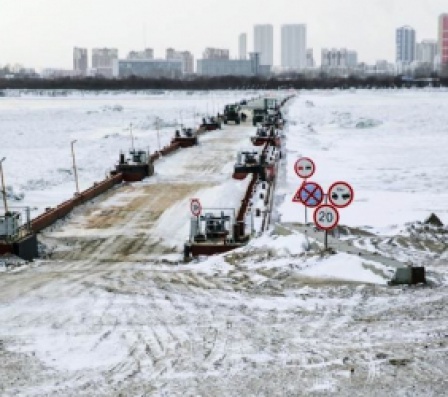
x: 151, y: 218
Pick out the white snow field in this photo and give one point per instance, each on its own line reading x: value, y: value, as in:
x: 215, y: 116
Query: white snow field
x: 111, y: 310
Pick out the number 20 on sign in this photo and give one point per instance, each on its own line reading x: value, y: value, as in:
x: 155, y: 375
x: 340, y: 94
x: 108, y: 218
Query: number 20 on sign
x: 326, y: 217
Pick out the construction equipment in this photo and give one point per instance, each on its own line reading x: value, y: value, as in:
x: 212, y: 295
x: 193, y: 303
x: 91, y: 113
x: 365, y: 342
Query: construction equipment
x: 232, y: 113
x: 258, y: 116
x: 249, y: 162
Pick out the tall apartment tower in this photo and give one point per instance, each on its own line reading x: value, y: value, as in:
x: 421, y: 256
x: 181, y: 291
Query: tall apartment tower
x: 147, y: 53
x: 215, y: 53
x: 186, y: 57
x: 80, y: 61
x: 264, y: 43
x: 443, y: 40
x: 426, y: 51
x: 103, y: 60
x: 293, y: 39
x: 242, y: 46
x: 405, y: 45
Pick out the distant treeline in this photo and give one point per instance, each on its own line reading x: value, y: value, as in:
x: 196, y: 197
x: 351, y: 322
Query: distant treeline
x: 219, y: 83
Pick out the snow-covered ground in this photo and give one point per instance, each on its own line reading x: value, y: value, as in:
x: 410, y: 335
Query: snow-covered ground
x: 391, y: 146
x: 277, y: 317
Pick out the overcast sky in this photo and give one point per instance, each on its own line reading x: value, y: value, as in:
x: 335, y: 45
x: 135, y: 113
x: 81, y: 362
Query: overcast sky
x: 42, y: 33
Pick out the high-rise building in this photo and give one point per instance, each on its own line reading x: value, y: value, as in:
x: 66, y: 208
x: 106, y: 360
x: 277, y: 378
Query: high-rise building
x: 148, y: 68
x: 264, y: 43
x: 186, y: 57
x: 339, y: 58
x: 426, y: 51
x: 215, y: 53
x: 232, y: 67
x: 405, y: 45
x: 147, y: 53
x: 443, y: 40
x: 310, y: 63
x: 293, y: 39
x: 103, y: 60
x: 242, y: 46
x: 80, y: 61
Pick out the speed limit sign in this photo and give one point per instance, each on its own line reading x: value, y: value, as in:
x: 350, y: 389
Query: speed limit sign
x: 195, y: 207
x: 326, y: 217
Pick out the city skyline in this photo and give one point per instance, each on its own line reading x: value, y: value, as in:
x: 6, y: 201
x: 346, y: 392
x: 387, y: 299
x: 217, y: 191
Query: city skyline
x: 49, y: 30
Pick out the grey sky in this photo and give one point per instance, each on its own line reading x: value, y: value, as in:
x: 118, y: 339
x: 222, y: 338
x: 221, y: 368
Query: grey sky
x: 42, y: 33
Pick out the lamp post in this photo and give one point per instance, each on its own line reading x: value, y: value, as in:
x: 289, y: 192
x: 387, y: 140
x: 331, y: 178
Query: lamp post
x: 158, y: 132
x: 3, y: 185
x: 75, y: 171
x: 132, y: 137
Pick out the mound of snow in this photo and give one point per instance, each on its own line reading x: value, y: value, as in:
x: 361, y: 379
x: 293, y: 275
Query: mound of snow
x: 346, y: 267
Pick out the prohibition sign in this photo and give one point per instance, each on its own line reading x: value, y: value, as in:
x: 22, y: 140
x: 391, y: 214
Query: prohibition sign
x: 340, y: 194
x: 326, y: 217
x: 195, y: 207
x: 304, y: 167
x: 311, y: 194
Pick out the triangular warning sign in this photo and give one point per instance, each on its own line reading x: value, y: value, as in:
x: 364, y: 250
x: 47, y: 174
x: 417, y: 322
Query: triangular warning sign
x: 296, y: 198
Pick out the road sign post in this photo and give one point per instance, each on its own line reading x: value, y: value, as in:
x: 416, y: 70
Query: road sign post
x: 195, y: 207
x: 326, y: 217
x: 340, y: 194
x: 311, y: 195
x: 304, y: 167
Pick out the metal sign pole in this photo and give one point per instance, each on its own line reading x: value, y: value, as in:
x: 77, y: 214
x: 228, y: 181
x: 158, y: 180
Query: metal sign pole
x: 326, y: 231
x: 306, y: 212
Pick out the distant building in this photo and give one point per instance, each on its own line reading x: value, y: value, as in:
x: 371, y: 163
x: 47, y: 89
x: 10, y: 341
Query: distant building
x: 242, y: 46
x: 425, y: 54
x: 293, y: 46
x: 232, y: 67
x: 310, y: 62
x: 405, y: 45
x: 339, y: 58
x: 186, y: 57
x: 148, y: 68
x: 426, y: 51
x: 443, y: 40
x: 52, y: 73
x: 103, y: 60
x: 264, y: 43
x: 215, y: 53
x: 384, y: 67
x: 147, y: 53
x: 80, y: 61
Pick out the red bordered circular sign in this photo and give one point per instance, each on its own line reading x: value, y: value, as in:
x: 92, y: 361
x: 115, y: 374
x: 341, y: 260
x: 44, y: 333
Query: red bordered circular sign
x: 195, y: 207
x: 304, y: 167
x: 311, y: 194
x: 326, y: 217
x: 340, y: 194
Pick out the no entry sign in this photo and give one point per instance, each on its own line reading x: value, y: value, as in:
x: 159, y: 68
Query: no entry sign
x: 195, y: 207
x: 304, y: 167
x: 326, y: 217
x: 311, y: 194
x: 340, y: 194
